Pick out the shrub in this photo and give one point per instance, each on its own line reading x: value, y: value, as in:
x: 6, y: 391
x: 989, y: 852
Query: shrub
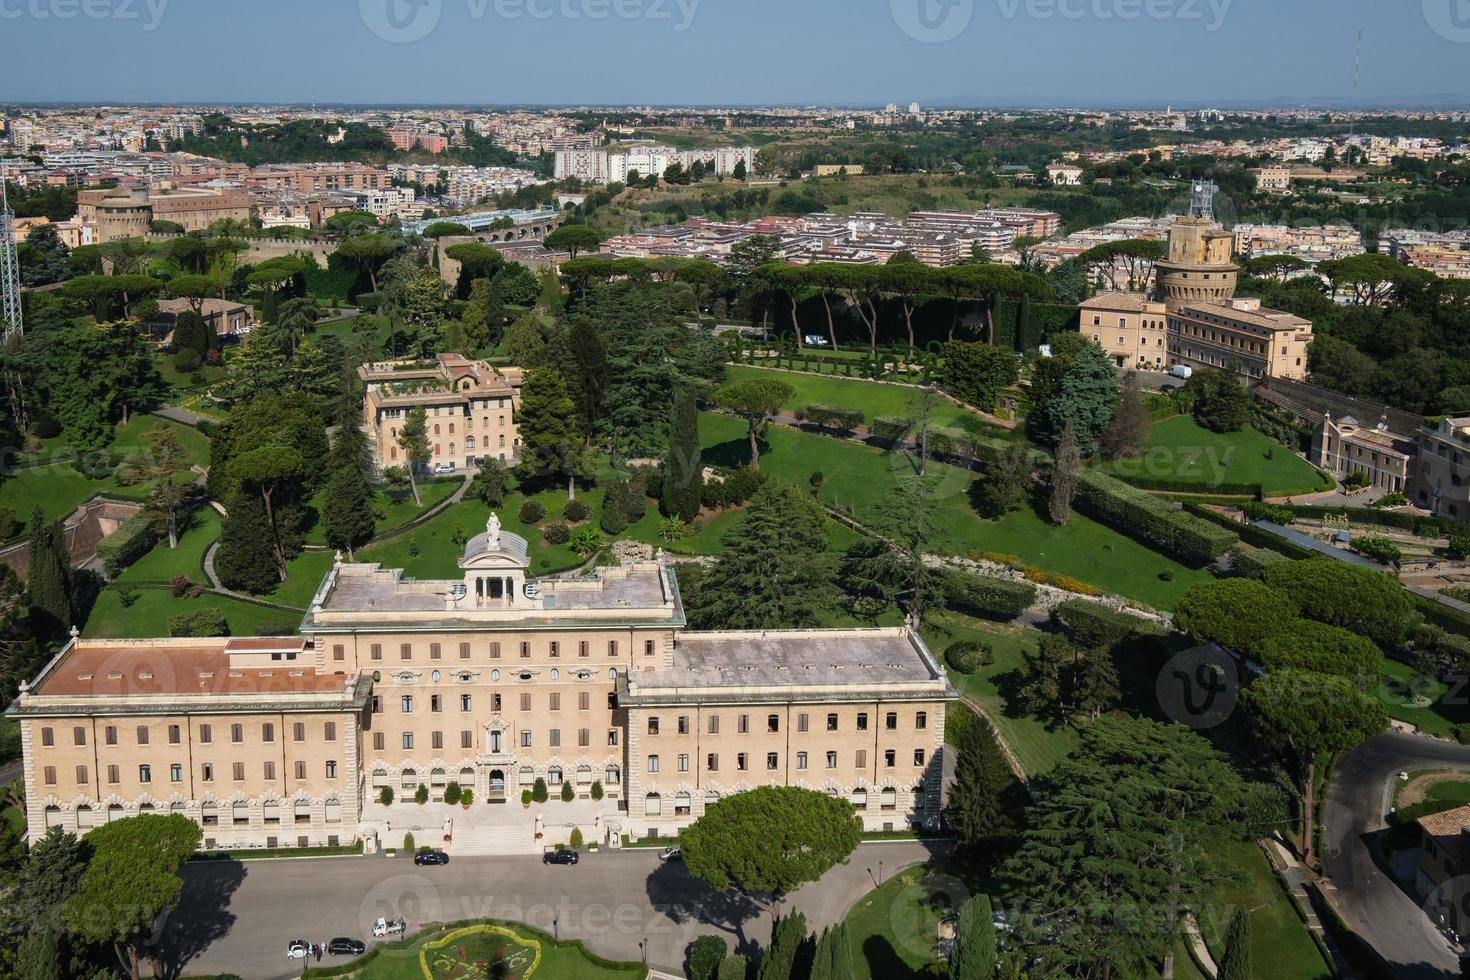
x: 1390, y: 500
x: 1156, y: 522
x: 532, y: 511
x: 556, y: 532
x: 1268, y: 512
x: 178, y: 585
x: 131, y: 541
x: 385, y: 795
x: 452, y: 793
x: 1251, y: 562
x: 9, y: 526
x: 126, y: 595
x: 613, y: 520
x: 576, y: 511
x: 891, y: 428
x: 567, y: 793
x: 200, y: 622
x: 967, y: 656
x: 526, y: 797
x: 45, y: 426
x: 985, y: 597
x: 1064, y: 582
x: 408, y: 842
x: 817, y: 479
x: 576, y: 838
x: 832, y: 417
x: 1093, y: 625
x: 1355, y: 480
x: 187, y: 361
x: 1236, y: 613
x: 705, y: 956
x: 278, y: 627
x: 466, y: 796
x: 597, y: 789
x: 421, y: 795
x: 538, y: 790
x: 1378, y: 548
x: 1325, y: 649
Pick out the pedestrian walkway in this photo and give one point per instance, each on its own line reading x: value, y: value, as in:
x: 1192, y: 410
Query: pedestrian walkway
x: 1202, y: 954
x: 1298, y: 880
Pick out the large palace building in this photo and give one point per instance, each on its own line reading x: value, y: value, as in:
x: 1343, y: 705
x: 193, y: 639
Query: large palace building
x: 491, y: 681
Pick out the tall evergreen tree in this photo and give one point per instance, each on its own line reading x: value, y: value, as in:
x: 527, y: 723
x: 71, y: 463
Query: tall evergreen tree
x: 733, y: 967
x: 1084, y: 396
x: 788, y: 936
x: 587, y: 374
x: 246, y: 559
x: 49, y: 579
x: 974, y: 953
x: 1236, y: 963
x: 413, y: 439
x: 683, y: 490
x: 550, y: 443
x: 347, y: 507
x: 1127, y: 433
x: 775, y: 572
x: 984, y: 804
x: 1064, y: 477
x: 1023, y: 324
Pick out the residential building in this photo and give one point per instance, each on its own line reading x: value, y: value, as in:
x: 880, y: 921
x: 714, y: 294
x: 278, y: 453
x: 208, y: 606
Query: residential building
x: 1239, y: 334
x: 1065, y: 174
x: 470, y: 409
x: 1273, y: 180
x: 1132, y: 328
x: 1345, y: 446
x: 1442, y: 482
x: 492, y: 680
x: 228, y: 318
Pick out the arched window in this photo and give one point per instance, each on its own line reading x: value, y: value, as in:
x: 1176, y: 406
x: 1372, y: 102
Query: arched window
x: 114, y: 812
x: 553, y: 776
x: 240, y: 813
x: 302, y: 811
x: 53, y: 817
x: 584, y: 775
x: 409, y: 779
x: 920, y: 799
x: 333, y: 809
x: 436, y: 428
x: 451, y: 449
x: 888, y: 799
x: 451, y: 428
x: 392, y: 452
x: 528, y: 775
x: 178, y: 808
x: 613, y: 776
x: 859, y: 798
x: 682, y: 804
x: 469, y: 444
x: 437, y: 778
x: 502, y: 420
x: 653, y: 805
x: 380, y: 778
x: 502, y: 442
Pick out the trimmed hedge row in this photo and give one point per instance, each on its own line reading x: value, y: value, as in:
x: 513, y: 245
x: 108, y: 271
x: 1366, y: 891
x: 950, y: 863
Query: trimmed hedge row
x: 988, y: 598
x: 832, y: 417
x: 1251, y: 534
x: 1251, y: 561
x: 1094, y: 625
x: 132, y: 540
x: 1192, y: 486
x: 1159, y: 523
x: 1398, y: 520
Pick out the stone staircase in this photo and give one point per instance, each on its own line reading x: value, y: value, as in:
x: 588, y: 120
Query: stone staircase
x: 503, y: 839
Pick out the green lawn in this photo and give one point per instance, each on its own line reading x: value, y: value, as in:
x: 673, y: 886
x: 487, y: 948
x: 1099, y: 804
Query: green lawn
x: 58, y: 487
x: 451, y: 953
x: 858, y: 478
x: 1281, y: 946
x: 1181, y: 450
x: 172, y: 375
x: 163, y: 563
x: 1402, y: 684
x: 397, y: 508
x: 153, y: 608
x: 873, y: 398
x: 894, y: 928
x: 1038, y: 747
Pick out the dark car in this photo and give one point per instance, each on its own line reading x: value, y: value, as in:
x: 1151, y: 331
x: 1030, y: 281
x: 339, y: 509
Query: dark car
x: 346, y: 947
x: 559, y: 857
x: 431, y: 857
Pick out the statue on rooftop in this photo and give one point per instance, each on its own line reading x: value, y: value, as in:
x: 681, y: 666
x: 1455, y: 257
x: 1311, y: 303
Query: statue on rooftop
x: 492, y: 528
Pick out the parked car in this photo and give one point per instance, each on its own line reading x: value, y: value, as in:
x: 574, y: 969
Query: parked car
x: 431, y: 857
x: 298, y: 949
x: 560, y: 857
x: 386, y: 927
x: 442, y: 468
x: 342, y: 946
x: 671, y: 854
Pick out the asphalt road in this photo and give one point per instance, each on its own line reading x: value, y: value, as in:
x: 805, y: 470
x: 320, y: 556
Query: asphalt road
x: 237, y: 917
x: 1372, y: 903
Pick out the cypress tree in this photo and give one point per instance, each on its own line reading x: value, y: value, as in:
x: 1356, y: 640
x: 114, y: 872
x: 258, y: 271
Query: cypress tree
x: 983, y: 802
x: 347, y: 510
x: 822, y: 959
x: 683, y: 467
x: 732, y: 967
x: 48, y: 578
x: 1023, y: 324
x: 974, y: 954
x: 245, y: 559
x: 614, y: 518
x: 788, y: 935
x: 1236, y: 963
x: 1064, y: 477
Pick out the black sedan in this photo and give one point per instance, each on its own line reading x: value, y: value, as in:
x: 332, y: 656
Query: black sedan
x: 346, y: 947
x: 559, y: 857
x: 431, y: 857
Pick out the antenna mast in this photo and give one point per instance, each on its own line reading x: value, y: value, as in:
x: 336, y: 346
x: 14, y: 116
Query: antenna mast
x: 9, y: 268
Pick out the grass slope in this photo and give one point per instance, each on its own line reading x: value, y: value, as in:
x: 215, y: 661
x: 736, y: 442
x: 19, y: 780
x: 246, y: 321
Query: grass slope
x: 1179, y: 449
x: 873, y: 398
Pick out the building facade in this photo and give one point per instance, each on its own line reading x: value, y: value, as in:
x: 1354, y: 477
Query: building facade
x: 1442, y: 478
x: 1131, y: 328
x: 469, y: 407
x: 1242, y: 335
x: 1345, y: 446
x: 492, y: 681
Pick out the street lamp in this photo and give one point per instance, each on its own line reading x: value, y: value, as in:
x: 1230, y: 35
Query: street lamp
x: 643, y: 950
x: 555, y: 932
x: 880, y: 874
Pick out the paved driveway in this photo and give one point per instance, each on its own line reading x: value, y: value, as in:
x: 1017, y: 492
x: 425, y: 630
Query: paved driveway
x: 1372, y: 903
x: 236, y: 917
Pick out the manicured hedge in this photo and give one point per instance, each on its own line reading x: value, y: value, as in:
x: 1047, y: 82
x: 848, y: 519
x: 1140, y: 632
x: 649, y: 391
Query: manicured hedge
x: 1094, y: 625
x: 1251, y: 562
x: 1193, y: 486
x: 891, y: 428
x: 984, y: 597
x: 132, y: 540
x: 1251, y: 534
x: 1397, y: 519
x: 1159, y: 523
x: 832, y: 417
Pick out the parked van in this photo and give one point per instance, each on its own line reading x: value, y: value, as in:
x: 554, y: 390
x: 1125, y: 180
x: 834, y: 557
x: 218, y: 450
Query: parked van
x: 1182, y: 371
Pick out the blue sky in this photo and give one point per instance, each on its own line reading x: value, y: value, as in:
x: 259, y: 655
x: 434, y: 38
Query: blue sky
x: 733, y: 51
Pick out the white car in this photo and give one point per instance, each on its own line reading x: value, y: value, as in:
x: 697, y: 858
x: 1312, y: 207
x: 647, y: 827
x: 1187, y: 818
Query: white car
x: 298, y: 949
x: 442, y: 468
x: 386, y: 927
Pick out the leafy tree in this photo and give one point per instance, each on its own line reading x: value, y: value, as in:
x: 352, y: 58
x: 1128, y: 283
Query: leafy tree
x: 1301, y: 715
x: 573, y: 239
x: 550, y: 443
x: 489, y: 483
x: 788, y: 936
x: 1221, y: 403
x: 975, y: 946
x: 985, y: 804
x: 775, y: 571
x: 1127, y: 433
x: 705, y: 955
x: 165, y: 466
x: 1004, y: 480
x: 739, y: 173
x: 413, y: 439
x: 245, y: 559
x: 1236, y: 963
x: 49, y: 578
x: 132, y: 877
x: 191, y: 334
x: 524, y: 344
x: 753, y: 400
x: 683, y: 489
x: 42, y: 257
x: 977, y: 373
x: 587, y: 374
x: 1236, y: 613
x: 1085, y: 396
x: 1366, y: 601
x: 1307, y: 645
x: 768, y: 841
x: 109, y: 371
x: 369, y: 252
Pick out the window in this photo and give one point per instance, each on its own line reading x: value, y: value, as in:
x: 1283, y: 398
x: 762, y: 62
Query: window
x: 237, y: 734
x: 329, y: 731
x: 331, y: 769
x: 298, y: 731
x: 742, y: 724
x: 583, y: 701
x: 206, y: 734
x: 464, y: 651
x: 50, y: 775
x: 555, y: 648
x: 652, y: 764
x: 890, y: 721
x: 683, y: 724
x: 584, y: 737
x: 376, y: 651
x: 268, y: 732
x: 712, y: 762
x: 174, y: 735
x: 525, y: 650
x: 377, y: 704
x: 466, y: 739
x: 113, y: 776
x: 831, y: 760
x: 339, y: 652
x: 408, y: 740
x: 801, y: 722
x: 405, y: 651
x: 740, y: 761
x: 434, y: 653
x: 862, y: 721
x: 436, y: 703
x: 921, y: 720
x: 773, y: 723
x: 612, y: 736
x: 612, y: 648
x: 653, y: 725
x: 525, y: 702
x: 683, y: 762
x: 237, y: 772
x: 801, y: 760
x: 555, y: 738
x: 270, y: 771
x: 581, y: 648
x: 406, y: 704
x: 378, y: 741
x: 142, y: 734
x: 918, y: 757
x: 648, y: 648
x: 714, y: 724
x: 206, y: 773
x: 862, y: 759
x: 771, y: 762
x: 109, y: 734
x: 832, y: 723
x: 890, y: 758
x: 176, y: 773
x: 436, y: 740
x: 555, y: 700
x: 48, y: 737
x: 495, y: 650
x: 525, y: 739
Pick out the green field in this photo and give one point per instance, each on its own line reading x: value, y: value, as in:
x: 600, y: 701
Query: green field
x: 397, y: 507
x: 1281, y: 947
x: 873, y: 398
x: 471, y: 951
x: 1180, y: 450
x: 858, y: 478
x: 1038, y: 746
x: 893, y: 930
x: 1402, y: 685
x: 153, y: 608
x: 163, y: 563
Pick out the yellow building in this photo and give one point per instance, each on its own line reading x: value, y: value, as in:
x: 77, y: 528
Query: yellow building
x: 469, y: 407
x: 1130, y: 327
